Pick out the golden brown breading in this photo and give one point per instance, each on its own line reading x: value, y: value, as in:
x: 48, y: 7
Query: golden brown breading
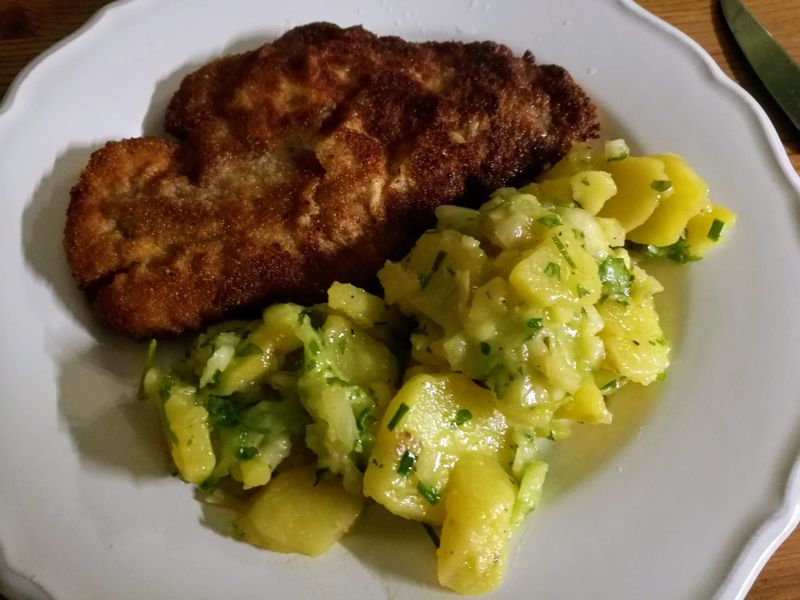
x: 311, y: 159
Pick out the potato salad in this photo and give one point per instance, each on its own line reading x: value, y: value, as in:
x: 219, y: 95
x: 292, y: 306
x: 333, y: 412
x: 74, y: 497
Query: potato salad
x: 502, y: 327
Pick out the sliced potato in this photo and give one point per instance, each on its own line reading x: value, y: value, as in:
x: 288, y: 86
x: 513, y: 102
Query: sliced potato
x: 587, y: 405
x: 638, y: 192
x: 432, y: 421
x: 669, y: 219
x: 297, y: 513
x: 592, y: 189
x: 702, y: 230
x: 558, y: 272
x: 634, y: 341
x: 471, y: 558
x: 190, y: 439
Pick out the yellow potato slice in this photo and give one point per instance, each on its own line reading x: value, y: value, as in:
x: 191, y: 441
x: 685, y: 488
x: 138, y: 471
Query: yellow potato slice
x: 471, y: 558
x: 637, y: 194
x: 297, y: 513
x: 690, y: 197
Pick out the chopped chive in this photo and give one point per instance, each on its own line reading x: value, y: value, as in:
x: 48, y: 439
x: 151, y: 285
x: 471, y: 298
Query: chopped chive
x: 149, y: 359
x: 407, y: 463
x: 535, y: 325
x: 462, y: 416
x: 549, y: 221
x: 364, y: 418
x: 610, y: 386
x: 661, y: 185
x: 424, y: 280
x: 246, y: 348
x: 715, y: 230
x: 552, y: 270
x: 562, y: 249
x: 432, y: 534
x: 401, y: 411
x: 614, y: 385
x: 430, y: 494
x: 585, y: 181
x: 582, y: 291
x: 485, y: 348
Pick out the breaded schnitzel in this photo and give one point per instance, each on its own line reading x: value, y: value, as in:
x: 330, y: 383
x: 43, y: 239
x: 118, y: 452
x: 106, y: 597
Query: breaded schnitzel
x: 309, y: 160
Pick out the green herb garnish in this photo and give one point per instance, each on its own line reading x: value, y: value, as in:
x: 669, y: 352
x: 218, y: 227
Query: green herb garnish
x: 430, y: 494
x: 679, y: 251
x: 562, y: 249
x: 401, y: 411
x: 424, y: 280
x: 407, y: 463
x: 549, y: 221
x: 246, y: 452
x: 616, y: 279
x: 552, y: 270
x: 661, y: 185
x: 221, y: 411
x: 485, y: 348
x: 535, y: 325
x: 462, y: 416
x: 715, y: 230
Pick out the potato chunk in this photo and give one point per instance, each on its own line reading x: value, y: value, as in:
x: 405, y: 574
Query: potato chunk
x: 479, y: 522
x: 708, y: 228
x: 432, y: 422
x: 190, y: 442
x: 639, y: 180
x: 668, y: 221
x: 634, y: 341
x: 297, y: 513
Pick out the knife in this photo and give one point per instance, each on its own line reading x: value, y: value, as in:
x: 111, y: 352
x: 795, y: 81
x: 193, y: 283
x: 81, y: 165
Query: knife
x: 773, y: 65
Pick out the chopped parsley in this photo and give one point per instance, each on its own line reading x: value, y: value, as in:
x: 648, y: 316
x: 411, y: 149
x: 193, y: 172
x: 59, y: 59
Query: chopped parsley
x: 221, y: 411
x: 552, y: 270
x: 462, y: 416
x: 535, y: 325
x: 679, y: 251
x: 246, y: 452
x: 616, y: 279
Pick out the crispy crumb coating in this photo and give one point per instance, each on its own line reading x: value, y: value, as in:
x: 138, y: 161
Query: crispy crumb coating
x: 312, y: 159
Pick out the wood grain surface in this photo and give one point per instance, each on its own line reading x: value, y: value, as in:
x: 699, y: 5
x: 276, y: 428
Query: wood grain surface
x: 28, y: 27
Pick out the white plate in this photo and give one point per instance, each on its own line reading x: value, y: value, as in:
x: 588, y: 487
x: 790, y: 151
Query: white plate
x: 684, y: 497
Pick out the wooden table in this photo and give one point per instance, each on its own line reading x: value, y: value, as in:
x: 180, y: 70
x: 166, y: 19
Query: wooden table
x: 27, y: 27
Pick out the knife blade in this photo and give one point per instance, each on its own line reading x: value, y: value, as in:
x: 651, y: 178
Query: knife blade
x: 777, y: 70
